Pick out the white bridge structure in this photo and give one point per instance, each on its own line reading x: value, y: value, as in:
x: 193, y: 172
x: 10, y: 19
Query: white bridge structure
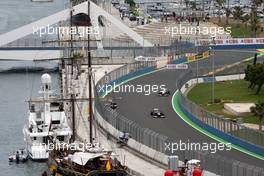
x: 95, y: 12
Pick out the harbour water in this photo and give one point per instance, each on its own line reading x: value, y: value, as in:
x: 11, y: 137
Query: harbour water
x: 16, y: 13
x: 15, y: 89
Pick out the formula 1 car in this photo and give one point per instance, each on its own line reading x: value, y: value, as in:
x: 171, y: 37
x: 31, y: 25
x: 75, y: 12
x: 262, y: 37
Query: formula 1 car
x: 113, y: 105
x: 164, y: 93
x: 156, y: 113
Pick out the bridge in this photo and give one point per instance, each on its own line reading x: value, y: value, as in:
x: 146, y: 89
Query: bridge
x: 33, y: 28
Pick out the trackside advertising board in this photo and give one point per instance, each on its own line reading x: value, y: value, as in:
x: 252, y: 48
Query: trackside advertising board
x: 230, y: 41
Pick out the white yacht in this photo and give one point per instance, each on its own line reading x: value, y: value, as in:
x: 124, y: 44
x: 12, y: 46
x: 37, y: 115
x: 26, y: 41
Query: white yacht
x: 47, y: 123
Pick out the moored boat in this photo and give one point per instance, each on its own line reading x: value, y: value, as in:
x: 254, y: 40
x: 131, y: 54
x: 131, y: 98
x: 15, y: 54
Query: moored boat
x: 46, y: 123
x: 18, y: 156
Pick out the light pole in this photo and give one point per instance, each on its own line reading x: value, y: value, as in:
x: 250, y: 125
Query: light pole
x: 213, y: 83
x: 197, y: 61
x: 213, y: 70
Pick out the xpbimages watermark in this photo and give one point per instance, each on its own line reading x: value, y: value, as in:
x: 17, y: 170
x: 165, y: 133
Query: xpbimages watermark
x: 81, y: 31
x: 213, y: 147
x: 145, y: 89
x: 73, y: 146
x: 196, y: 30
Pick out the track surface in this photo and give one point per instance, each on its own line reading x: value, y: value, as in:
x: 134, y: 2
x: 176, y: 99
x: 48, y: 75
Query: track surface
x: 137, y: 107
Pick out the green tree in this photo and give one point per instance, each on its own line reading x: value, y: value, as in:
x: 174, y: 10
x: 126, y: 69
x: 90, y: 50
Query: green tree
x: 187, y: 2
x: 254, y: 20
x: 131, y: 3
x: 238, y: 13
x: 228, y: 13
x: 259, y: 76
x: 193, y: 5
x: 258, y: 110
x: 257, y: 3
x: 255, y: 75
x: 245, y: 19
x: 220, y: 6
x: 249, y: 76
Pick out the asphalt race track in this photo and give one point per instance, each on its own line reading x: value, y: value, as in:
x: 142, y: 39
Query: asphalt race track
x: 137, y: 107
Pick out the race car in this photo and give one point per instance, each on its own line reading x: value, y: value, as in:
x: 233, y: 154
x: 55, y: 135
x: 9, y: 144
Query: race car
x: 156, y: 113
x: 164, y: 93
x: 113, y: 105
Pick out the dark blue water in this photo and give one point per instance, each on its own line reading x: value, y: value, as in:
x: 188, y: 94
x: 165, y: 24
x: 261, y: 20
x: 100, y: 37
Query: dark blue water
x: 15, y: 89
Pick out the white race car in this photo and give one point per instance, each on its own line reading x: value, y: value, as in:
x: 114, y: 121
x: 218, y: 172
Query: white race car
x: 156, y: 113
x: 164, y: 93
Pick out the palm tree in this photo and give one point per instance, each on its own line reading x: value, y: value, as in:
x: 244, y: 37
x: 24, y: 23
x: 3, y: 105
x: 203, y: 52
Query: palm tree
x: 238, y: 13
x: 254, y: 21
x: 220, y: 5
x: 193, y: 5
x: 257, y: 2
x: 258, y: 110
x: 228, y: 12
x: 187, y: 2
x: 245, y: 19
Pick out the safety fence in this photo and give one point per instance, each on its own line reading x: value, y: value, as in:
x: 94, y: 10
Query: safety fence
x: 249, y: 138
x: 231, y: 131
x: 118, y: 121
x: 211, y: 162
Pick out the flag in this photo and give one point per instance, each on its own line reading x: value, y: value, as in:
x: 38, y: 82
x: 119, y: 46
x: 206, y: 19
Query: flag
x: 108, y: 166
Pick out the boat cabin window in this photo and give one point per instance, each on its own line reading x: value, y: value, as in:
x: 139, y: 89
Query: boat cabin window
x: 39, y: 122
x: 38, y: 115
x: 55, y: 122
x: 60, y: 138
x: 35, y: 138
x: 46, y: 139
x: 32, y: 108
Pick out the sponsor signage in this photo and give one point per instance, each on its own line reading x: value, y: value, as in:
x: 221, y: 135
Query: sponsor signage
x: 177, y: 66
x: 191, y: 58
x: 142, y: 58
x: 230, y: 41
x: 206, y: 54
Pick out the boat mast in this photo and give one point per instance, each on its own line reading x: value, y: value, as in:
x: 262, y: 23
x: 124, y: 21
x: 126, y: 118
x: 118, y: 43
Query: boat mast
x: 90, y: 77
x: 71, y: 56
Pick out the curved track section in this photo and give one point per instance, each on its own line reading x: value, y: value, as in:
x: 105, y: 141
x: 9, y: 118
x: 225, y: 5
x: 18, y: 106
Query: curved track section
x: 137, y: 107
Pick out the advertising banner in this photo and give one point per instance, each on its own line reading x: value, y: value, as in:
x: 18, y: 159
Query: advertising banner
x: 230, y: 41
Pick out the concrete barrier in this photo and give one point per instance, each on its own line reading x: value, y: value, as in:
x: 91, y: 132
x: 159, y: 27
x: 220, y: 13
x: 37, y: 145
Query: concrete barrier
x: 143, y: 149
x: 151, y: 152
